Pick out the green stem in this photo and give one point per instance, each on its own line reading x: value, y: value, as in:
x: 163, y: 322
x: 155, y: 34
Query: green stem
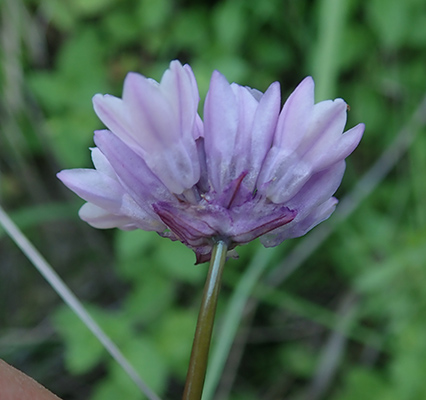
x: 203, y: 333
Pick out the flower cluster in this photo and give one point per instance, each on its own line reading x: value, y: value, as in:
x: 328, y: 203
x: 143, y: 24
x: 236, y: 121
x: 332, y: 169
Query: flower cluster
x: 247, y: 170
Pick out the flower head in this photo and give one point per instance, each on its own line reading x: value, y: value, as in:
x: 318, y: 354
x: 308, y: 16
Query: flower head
x: 249, y: 170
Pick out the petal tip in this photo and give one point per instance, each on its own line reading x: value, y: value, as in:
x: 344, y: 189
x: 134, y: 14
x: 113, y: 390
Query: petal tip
x: 361, y: 127
x: 218, y: 77
x: 305, y: 90
x: 274, y: 88
x: 175, y: 64
x: 97, y: 101
x: 307, y: 83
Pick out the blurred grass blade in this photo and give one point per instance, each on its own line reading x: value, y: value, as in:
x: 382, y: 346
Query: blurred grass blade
x: 325, y: 60
x: 71, y: 300
x: 28, y: 217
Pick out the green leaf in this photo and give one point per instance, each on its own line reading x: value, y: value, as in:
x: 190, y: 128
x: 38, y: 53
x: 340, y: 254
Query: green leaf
x: 142, y: 354
x: 150, y: 297
x: 91, y: 7
x: 154, y: 14
x: 177, y: 262
x: 71, y: 138
x: 135, y: 253
x: 184, y: 25
x: 390, y: 19
x: 61, y: 13
x: 83, y: 351
x: 360, y: 382
x: 173, y: 338
x: 298, y: 359
x: 122, y: 28
x: 229, y: 21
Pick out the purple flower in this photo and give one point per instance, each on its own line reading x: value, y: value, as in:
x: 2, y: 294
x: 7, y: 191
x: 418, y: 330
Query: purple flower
x: 249, y: 170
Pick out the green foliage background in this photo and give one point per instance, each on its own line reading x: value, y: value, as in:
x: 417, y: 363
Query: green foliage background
x: 347, y: 323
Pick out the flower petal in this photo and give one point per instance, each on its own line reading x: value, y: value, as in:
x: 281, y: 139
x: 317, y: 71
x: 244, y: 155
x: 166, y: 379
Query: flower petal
x: 102, y: 164
x: 94, y: 187
x: 107, y: 193
x: 239, y: 127
x: 220, y: 129
x: 320, y: 145
x: 264, y: 217
x: 318, y: 189
x: 262, y: 133
x: 134, y: 174
x: 328, y: 151
x: 114, y: 114
x: 102, y: 219
x: 296, y: 229
x: 179, y: 86
x: 293, y: 122
x: 160, y: 123
x: 295, y: 116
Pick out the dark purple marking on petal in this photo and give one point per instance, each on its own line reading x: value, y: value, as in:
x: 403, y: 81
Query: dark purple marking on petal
x: 229, y: 194
x: 202, y: 258
x: 188, y: 235
x: 260, y: 221
x: 195, y: 234
x: 203, y: 184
